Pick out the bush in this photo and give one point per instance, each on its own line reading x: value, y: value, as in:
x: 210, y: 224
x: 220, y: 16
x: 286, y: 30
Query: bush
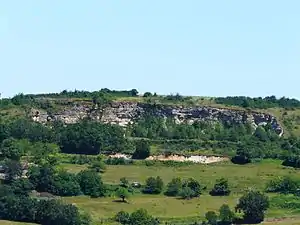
x: 118, y: 161
x: 284, y: 185
x: 194, y: 185
x: 221, y: 188
x: 98, y: 166
x: 153, y: 185
x: 226, y: 215
x: 122, y: 217
x: 253, y: 204
x: 142, y: 150
x: 187, y: 193
x: 91, y: 183
x: 174, y: 187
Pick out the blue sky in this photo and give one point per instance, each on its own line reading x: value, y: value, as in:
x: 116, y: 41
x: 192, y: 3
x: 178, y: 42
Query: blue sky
x: 207, y: 48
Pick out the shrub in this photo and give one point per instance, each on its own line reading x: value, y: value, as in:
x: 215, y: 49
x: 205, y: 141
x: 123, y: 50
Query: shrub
x: 221, y: 188
x: 174, y: 187
x: 142, y: 150
x: 153, y: 185
x: 284, y: 185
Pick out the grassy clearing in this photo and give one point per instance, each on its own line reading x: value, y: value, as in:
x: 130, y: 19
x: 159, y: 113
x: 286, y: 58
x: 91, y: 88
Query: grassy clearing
x: 172, y: 209
x: 239, y: 176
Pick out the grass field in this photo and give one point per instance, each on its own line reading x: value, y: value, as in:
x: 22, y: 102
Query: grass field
x: 168, y: 208
x: 239, y: 176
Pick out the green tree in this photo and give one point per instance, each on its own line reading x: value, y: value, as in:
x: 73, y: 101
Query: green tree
x: 12, y: 169
x: 194, y: 185
x: 89, y: 137
x: 142, y: 150
x: 211, y: 217
x: 21, y: 187
x: 124, y: 182
x: 91, y: 183
x: 226, y: 215
x: 284, y: 185
x: 147, y: 94
x: 9, y: 149
x: 253, y: 204
x: 122, y: 193
x: 141, y: 217
x: 221, y: 188
x: 174, y: 187
x: 134, y: 92
x: 153, y: 185
x: 187, y: 193
x: 122, y: 217
x: 98, y: 166
x: 42, y: 178
x: 261, y: 134
x: 65, y: 184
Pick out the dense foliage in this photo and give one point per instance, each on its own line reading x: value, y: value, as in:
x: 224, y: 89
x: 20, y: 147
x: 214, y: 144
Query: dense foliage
x: 253, y: 204
x: 91, y: 138
x: 154, y: 185
x: 138, y: 217
x: 221, y: 188
x: 261, y: 103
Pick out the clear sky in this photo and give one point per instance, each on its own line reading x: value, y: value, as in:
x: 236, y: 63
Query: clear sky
x: 194, y: 47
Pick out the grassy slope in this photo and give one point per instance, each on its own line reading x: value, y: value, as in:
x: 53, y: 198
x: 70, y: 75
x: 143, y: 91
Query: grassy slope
x: 240, y: 178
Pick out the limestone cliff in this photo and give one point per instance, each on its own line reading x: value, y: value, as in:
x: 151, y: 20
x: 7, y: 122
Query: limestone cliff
x: 124, y: 113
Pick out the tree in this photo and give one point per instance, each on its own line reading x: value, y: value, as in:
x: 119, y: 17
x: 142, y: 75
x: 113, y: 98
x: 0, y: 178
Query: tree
x: 122, y: 217
x: 122, y: 193
x: 147, y: 94
x: 142, y: 150
x: 89, y: 137
x: 42, y: 178
x: 284, y: 185
x: 226, y: 215
x: 242, y: 156
x: 10, y: 150
x: 65, y: 184
x: 253, y: 204
x: 21, y: 187
x: 141, y: 217
x: 91, y: 183
x: 174, y: 187
x: 211, y: 217
x: 194, y: 185
x: 98, y: 166
x: 221, y: 188
x: 153, y: 185
x: 124, y: 182
x: 12, y: 170
x: 187, y: 193
x: 261, y: 134
x: 134, y: 92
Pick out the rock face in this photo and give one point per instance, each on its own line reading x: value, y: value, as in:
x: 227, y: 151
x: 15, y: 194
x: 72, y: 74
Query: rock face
x: 124, y: 113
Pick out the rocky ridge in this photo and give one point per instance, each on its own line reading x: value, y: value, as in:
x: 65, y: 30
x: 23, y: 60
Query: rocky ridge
x: 124, y: 113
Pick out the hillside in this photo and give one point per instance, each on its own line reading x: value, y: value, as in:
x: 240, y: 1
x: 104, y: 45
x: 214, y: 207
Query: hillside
x: 83, y: 157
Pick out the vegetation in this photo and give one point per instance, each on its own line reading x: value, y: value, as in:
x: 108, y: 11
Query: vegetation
x: 40, y: 163
x: 261, y: 103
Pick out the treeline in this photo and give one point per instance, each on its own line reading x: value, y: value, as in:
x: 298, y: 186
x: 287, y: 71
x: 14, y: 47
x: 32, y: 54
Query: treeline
x: 260, y: 103
x: 93, y: 138
x: 84, y: 137
x: 84, y: 94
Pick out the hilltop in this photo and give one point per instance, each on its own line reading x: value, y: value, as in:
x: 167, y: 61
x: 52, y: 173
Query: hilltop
x: 72, y: 105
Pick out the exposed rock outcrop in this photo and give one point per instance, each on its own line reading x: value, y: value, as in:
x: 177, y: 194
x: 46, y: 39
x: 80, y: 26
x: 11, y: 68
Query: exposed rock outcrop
x: 124, y: 113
